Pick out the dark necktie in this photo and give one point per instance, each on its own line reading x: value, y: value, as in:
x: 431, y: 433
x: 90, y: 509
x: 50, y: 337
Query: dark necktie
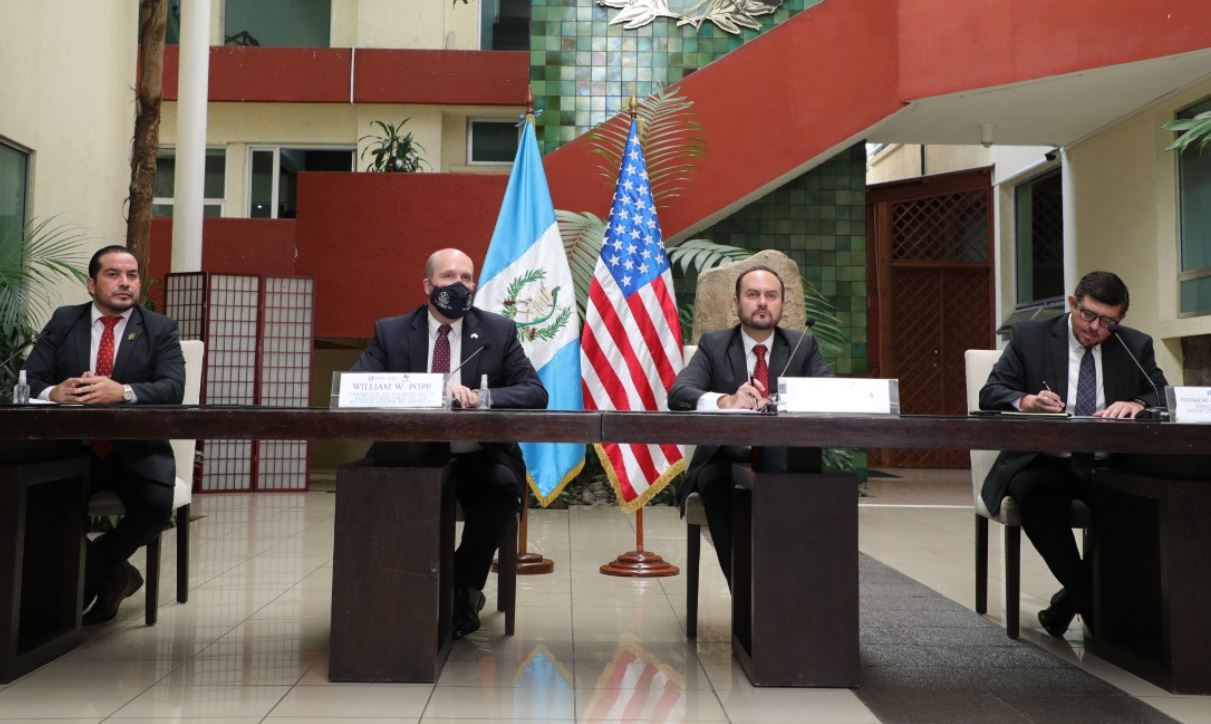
x: 1086, y: 404
x: 1086, y: 386
x: 441, y: 350
x: 104, y: 367
x: 760, y: 371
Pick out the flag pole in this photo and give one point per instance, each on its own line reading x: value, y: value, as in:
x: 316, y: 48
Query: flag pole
x: 639, y: 563
x: 528, y: 564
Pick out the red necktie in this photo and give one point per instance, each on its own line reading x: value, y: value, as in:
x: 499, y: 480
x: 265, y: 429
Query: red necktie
x: 105, y: 368
x: 441, y: 350
x: 760, y: 371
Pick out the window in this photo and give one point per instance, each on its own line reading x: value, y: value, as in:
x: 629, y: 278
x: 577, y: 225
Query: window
x: 213, y: 188
x: 491, y: 141
x: 1194, y: 209
x: 283, y: 23
x: 274, y: 174
x: 504, y: 25
x: 1038, y: 206
x: 14, y: 177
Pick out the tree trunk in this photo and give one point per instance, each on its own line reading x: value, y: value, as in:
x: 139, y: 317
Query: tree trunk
x: 153, y: 17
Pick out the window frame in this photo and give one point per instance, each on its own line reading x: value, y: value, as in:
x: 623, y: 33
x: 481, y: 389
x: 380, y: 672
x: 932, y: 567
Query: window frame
x: 26, y: 181
x: 471, y: 121
x: 277, y: 169
x: 1192, y: 109
x: 1044, y: 171
x: 211, y: 201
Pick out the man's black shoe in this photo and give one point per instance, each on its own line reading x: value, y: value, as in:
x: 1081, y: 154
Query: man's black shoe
x: 1057, y: 617
x: 468, y: 602
x: 122, y: 583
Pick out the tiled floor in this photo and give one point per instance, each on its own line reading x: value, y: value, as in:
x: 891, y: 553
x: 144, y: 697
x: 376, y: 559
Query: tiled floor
x: 251, y: 643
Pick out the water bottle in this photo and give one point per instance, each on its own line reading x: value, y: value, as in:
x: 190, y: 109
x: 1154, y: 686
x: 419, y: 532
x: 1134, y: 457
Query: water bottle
x: 21, y: 390
x: 485, y: 395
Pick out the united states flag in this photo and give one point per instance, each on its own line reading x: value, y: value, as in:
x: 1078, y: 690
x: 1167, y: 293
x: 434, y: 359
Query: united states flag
x: 630, y: 349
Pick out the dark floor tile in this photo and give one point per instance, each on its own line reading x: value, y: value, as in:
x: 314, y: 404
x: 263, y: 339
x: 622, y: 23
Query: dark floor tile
x: 1022, y: 656
x: 933, y: 707
x: 1084, y: 709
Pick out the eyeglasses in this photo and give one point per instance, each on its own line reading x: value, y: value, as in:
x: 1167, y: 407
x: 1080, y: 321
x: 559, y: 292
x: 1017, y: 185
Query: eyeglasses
x: 1089, y: 316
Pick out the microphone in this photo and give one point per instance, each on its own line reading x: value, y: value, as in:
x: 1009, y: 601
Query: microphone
x: 451, y: 373
x: 1158, y: 412
x: 772, y: 409
x: 20, y: 349
x: 807, y: 325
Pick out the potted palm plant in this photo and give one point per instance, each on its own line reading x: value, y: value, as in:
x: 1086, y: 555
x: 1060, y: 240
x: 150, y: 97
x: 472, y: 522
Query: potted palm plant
x: 31, y: 263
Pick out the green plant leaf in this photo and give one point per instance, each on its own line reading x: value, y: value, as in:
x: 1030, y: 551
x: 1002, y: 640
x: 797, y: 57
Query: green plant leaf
x: 671, y: 137
x: 393, y: 152
x: 582, y: 235
x: 1194, y: 130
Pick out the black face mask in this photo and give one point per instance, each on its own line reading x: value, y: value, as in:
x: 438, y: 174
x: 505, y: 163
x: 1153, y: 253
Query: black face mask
x: 453, y: 301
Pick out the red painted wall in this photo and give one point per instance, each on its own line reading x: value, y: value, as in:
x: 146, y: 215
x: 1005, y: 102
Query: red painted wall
x: 293, y: 75
x: 322, y: 75
x: 365, y: 238
x: 950, y: 46
x: 448, y: 77
x: 229, y: 246
x: 767, y: 108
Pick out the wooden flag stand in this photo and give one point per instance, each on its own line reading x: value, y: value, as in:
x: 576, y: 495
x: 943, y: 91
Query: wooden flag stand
x: 528, y: 564
x: 639, y: 563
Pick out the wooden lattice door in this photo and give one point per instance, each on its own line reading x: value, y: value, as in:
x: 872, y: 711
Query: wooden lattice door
x: 932, y: 295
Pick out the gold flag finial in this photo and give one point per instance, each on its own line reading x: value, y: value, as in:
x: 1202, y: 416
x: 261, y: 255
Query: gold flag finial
x: 529, y: 100
x: 633, y: 105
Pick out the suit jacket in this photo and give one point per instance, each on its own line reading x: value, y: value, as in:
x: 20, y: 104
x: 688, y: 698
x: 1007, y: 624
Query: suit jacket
x: 401, y: 344
x: 1038, y: 351
x: 719, y: 366
x: 149, y: 360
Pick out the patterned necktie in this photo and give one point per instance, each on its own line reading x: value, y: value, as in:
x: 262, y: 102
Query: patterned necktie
x: 1086, y: 386
x: 441, y: 350
x: 760, y: 371
x: 104, y: 367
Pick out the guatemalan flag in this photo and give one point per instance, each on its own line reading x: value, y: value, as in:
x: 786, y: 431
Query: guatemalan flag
x: 631, y: 344
x: 526, y: 277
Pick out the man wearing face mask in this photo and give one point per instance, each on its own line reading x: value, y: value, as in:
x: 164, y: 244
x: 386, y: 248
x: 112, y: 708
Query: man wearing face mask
x: 438, y: 337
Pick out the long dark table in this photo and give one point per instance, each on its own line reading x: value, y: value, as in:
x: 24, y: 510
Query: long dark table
x: 817, y: 530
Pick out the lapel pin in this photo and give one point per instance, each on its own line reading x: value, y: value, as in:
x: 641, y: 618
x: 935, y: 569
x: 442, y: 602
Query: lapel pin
x: 475, y: 335
x: 130, y: 337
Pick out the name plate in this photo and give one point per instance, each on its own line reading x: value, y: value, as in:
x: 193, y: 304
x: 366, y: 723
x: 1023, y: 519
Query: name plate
x: 839, y: 394
x: 1189, y: 404
x: 394, y: 390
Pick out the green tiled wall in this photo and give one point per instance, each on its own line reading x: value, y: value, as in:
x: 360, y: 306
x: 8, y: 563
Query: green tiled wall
x: 819, y: 220
x: 582, y: 68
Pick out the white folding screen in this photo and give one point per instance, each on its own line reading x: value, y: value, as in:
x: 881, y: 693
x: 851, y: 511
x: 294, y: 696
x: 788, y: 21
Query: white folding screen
x: 285, y: 376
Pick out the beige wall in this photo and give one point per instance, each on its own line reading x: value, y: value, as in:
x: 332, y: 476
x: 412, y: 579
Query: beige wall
x: 440, y: 130
x: 1126, y: 211
x: 66, y: 75
x: 405, y: 24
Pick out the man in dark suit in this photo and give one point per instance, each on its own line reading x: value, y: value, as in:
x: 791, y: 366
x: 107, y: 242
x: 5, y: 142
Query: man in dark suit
x: 489, y: 477
x: 1053, y: 366
x: 737, y: 368
x: 111, y: 351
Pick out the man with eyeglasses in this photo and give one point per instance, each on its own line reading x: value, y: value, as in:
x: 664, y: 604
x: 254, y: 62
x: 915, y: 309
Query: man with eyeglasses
x: 1062, y: 365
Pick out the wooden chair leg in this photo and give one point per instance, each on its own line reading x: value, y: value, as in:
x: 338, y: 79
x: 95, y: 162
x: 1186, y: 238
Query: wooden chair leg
x: 183, y: 553
x: 153, y: 582
x: 981, y: 564
x: 693, y: 550
x: 1013, y: 578
x: 506, y: 580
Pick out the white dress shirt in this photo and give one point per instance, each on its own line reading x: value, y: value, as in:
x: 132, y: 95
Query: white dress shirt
x: 94, y: 344
x: 710, y: 400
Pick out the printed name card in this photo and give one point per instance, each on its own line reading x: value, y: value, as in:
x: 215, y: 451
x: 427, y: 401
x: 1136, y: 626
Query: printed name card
x: 396, y: 390
x: 1189, y: 404
x: 838, y: 394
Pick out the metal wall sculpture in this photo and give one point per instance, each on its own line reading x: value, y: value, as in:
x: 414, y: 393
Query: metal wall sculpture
x: 728, y: 15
